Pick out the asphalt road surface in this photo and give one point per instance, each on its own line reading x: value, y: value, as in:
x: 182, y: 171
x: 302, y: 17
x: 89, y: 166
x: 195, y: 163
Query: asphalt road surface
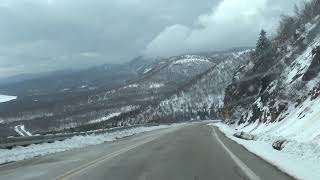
x: 188, y: 152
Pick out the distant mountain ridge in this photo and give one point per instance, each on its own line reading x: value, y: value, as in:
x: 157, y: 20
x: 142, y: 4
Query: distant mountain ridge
x: 128, y: 93
x: 104, y: 76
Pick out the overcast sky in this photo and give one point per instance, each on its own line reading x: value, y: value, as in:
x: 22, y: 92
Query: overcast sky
x: 46, y: 35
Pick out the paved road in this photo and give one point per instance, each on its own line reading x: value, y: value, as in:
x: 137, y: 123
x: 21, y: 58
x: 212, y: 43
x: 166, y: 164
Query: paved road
x: 190, y: 152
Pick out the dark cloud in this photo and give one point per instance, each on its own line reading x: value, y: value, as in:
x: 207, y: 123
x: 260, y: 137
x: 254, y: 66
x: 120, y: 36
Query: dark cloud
x: 45, y: 35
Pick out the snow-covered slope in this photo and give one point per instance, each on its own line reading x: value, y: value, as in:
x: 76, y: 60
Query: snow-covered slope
x: 282, y: 103
x: 293, y: 94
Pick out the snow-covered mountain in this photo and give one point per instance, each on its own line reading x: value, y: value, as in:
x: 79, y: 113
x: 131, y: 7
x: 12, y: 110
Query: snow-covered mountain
x: 144, y: 81
x: 200, y: 98
x: 196, y: 94
x: 158, y: 81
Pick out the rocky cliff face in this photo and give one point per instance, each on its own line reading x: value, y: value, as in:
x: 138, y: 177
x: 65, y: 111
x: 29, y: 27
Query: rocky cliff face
x: 267, y: 94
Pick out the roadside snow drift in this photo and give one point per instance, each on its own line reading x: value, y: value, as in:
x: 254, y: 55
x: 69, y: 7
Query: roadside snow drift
x: 300, y: 159
x: 22, y: 153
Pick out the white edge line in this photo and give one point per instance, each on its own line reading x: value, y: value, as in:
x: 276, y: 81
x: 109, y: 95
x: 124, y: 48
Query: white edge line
x: 249, y: 173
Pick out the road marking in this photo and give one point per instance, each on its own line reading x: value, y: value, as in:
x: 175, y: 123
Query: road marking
x: 80, y: 169
x: 89, y: 165
x: 249, y: 173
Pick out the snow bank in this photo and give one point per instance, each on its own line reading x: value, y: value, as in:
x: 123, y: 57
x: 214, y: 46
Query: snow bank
x: 300, y: 160
x: 5, y: 98
x: 22, y: 153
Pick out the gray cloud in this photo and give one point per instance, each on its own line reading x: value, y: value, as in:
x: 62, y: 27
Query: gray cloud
x: 232, y: 23
x: 46, y: 35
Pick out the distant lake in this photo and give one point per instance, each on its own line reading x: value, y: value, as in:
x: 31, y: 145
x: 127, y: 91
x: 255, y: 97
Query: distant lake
x: 5, y: 98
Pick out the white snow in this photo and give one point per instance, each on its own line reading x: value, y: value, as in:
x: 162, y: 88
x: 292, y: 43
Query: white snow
x: 299, y: 125
x: 124, y: 109
x: 239, y: 54
x: 147, y: 70
x: 131, y: 86
x: 109, y: 116
x: 22, y: 153
x: 156, y: 85
x: 21, y: 130
x: 65, y: 89
x: 5, y: 98
x: 25, y: 131
x: 17, y: 129
x: 301, y: 63
x: 191, y: 59
x: 300, y: 160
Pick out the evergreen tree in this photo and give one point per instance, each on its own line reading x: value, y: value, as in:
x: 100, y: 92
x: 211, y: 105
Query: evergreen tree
x: 264, y: 53
x: 212, y: 111
x: 263, y: 44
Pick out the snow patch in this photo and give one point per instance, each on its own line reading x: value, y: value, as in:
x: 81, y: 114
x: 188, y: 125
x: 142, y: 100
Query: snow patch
x: 23, y: 129
x: 109, y: 116
x: 156, y: 85
x: 241, y: 53
x: 124, y: 109
x: 131, y: 86
x: 147, y: 70
x: 189, y: 59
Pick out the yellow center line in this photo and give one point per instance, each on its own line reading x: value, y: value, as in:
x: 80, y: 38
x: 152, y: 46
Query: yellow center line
x: 97, y: 161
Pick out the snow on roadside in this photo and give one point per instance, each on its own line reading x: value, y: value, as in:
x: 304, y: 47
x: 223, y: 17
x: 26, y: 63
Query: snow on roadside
x: 300, y: 160
x: 22, y: 153
x: 5, y: 98
x: 21, y: 130
x: 17, y: 129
